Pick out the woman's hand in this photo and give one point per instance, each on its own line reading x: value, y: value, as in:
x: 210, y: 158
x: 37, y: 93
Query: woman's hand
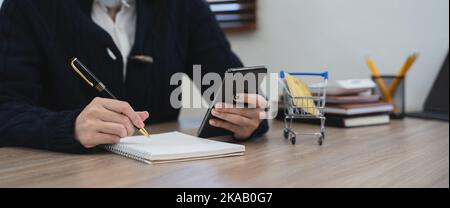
x: 242, y: 121
x: 106, y: 121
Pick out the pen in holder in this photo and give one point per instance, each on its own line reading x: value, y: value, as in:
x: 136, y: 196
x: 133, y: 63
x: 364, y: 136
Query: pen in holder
x: 395, y: 89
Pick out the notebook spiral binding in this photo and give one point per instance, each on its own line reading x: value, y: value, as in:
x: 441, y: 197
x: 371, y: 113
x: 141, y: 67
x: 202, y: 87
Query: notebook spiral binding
x: 121, y: 150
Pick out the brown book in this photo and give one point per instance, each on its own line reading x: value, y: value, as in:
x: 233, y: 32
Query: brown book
x: 359, y: 108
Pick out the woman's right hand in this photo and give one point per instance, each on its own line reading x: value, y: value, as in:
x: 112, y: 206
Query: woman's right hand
x: 106, y: 121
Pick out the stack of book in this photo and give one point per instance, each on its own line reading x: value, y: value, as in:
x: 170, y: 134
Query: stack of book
x: 357, y: 110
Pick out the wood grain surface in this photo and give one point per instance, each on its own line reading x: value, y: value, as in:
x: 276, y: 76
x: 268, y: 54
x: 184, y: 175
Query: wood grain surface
x: 408, y: 153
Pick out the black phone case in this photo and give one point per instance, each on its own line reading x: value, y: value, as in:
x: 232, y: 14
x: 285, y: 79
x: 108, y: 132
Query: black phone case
x: 208, y: 131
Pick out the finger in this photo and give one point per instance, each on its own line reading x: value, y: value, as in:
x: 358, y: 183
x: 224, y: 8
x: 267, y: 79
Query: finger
x: 102, y: 138
x: 232, y: 118
x: 143, y: 115
x: 113, y: 117
x: 224, y: 125
x: 247, y: 112
x: 253, y: 100
x: 112, y: 128
x: 123, y: 108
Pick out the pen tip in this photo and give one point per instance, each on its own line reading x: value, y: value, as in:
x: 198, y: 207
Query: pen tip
x: 144, y: 132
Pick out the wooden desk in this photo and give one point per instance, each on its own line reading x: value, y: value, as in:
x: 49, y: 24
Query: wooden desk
x: 409, y: 153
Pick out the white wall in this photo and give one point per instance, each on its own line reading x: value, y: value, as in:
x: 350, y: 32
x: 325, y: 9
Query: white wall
x: 314, y: 35
x: 1, y: 1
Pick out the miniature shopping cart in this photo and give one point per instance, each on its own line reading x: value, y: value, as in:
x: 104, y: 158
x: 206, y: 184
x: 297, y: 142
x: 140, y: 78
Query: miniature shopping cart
x: 301, y: 107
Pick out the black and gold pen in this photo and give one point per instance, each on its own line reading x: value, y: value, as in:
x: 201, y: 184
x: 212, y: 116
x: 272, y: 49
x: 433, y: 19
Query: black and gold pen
x: 94, y: 82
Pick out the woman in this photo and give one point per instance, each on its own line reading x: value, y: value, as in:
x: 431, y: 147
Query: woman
x: 133, y: 46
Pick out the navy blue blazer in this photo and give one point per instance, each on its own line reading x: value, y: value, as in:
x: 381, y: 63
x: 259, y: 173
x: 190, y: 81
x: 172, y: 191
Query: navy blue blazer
x: 40, y: 96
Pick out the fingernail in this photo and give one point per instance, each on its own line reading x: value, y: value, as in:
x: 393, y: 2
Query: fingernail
x: 219, y: 105
x: 215, y: 112
x: 212, y: 122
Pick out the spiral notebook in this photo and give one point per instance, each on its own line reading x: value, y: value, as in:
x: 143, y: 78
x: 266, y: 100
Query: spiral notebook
x: 173, y: 147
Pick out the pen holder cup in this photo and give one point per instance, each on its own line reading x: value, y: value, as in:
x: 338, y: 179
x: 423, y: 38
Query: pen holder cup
x: 395, y: 87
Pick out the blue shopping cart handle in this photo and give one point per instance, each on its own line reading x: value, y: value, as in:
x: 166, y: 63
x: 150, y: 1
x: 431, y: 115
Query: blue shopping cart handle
x: 323, y: 74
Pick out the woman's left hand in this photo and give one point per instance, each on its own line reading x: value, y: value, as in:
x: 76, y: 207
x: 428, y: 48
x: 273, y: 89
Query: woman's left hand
x: 242, y: 121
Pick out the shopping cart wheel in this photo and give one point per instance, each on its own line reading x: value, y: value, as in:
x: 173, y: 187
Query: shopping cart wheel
x: 321, y: 139
x: 286, y: 134
x: 293, y: 138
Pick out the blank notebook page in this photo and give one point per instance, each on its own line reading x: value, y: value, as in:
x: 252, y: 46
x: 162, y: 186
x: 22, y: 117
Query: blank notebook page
x: 173, y: 146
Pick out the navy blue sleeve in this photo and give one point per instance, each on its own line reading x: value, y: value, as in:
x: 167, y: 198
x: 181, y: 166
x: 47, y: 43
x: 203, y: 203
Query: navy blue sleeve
x: 209, y: 47
x: 23, y: 122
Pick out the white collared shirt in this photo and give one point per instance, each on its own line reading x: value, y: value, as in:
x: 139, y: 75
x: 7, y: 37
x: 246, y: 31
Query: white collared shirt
x: 122, y: 30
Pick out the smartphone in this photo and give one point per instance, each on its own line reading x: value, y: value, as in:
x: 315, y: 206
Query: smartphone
x: 238, y: 84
